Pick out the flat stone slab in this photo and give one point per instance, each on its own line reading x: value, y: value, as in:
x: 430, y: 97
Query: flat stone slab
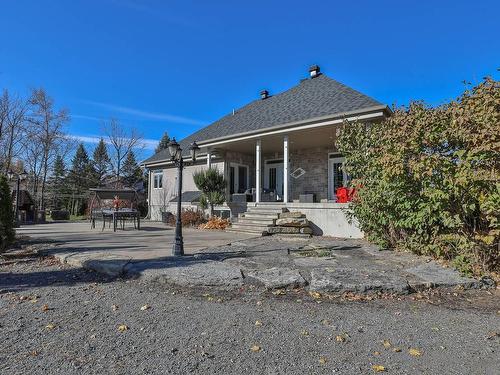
x: 107, y: 264
x: 275, y: 278
x: 433, y: 275
x: 339, y: 280
x: 188, y: 273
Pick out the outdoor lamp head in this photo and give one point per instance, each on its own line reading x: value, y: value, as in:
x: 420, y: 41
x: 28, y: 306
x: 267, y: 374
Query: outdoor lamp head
x: 10, y: 174
x: 23, y: 175
x: 173, y: 148
x: 194, y: 150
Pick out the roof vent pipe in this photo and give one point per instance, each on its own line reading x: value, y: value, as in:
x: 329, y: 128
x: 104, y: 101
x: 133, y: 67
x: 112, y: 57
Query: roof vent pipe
x: 314, y: 71
x: 264, y: 94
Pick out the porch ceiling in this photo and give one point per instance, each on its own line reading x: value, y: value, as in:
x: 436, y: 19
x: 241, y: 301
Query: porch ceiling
x: 298, y: 140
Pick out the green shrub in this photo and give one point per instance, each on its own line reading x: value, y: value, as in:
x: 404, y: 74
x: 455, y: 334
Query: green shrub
x: 7, y: 233
x: 212, y: 185
x: 428, y: 179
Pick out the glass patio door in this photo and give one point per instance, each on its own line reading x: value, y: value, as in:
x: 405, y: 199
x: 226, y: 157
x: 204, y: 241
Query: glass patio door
x: 336, y: 175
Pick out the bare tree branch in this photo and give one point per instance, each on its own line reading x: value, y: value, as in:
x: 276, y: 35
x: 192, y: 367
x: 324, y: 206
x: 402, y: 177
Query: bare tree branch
x: 122, y: 142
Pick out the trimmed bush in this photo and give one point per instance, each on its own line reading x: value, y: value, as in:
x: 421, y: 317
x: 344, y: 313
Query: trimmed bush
x: 189, y: 218
x: 428, y: 179
x: 212, y: 185
x: 7, y: 233
x: 59, y: 215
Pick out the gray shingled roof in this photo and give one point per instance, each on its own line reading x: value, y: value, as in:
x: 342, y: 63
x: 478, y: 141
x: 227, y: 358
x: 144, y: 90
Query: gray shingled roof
x: 188, y: 196
x: 311, y: 98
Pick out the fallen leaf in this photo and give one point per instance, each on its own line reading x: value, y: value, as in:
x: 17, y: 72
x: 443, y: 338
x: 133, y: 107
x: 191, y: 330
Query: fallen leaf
x: 415, y: 352
x: 315, y: 295
x: 114, y: 307
x: 122, y: 328
x: 378, y: 368
x: 376, y: 353
x: 323, y: 360
x: 259, y: 303
x: 45, y: 307
x: 492, y: 335
x: 210, y: 299
x: 326, y: 322
x: 397, y: 350
x: 145, y: 307
x: 256, y: 348
x: 50, y: 326
x: 279, y: 292
x: 304, y: 333
x: 387, y: 344
x: 340, y: 338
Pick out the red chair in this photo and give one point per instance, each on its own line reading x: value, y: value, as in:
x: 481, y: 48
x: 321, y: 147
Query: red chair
x: 344, y: 195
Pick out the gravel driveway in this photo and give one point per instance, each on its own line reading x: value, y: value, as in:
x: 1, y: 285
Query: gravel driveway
x: 56, y: 319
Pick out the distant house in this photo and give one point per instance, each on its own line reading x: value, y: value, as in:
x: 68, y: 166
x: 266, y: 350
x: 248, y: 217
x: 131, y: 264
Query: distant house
x: 277, y: 151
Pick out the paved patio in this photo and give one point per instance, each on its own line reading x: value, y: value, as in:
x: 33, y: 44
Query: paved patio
x: 153, y: 241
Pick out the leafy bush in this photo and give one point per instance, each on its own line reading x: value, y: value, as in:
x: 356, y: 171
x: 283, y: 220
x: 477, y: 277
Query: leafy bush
x: 59, y: 215
x: 7, y: 233
x: 212, y: 185
x: 189, y: 217
x: 428, y: 179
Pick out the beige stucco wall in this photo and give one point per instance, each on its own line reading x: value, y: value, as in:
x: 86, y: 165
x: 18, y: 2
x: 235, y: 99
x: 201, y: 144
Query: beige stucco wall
x: 160, y: 198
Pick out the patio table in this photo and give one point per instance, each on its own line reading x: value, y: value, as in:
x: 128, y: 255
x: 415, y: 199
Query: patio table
x: 116, y: 215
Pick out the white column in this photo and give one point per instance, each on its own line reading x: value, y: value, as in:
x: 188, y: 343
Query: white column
x: 257, y: 171
x: 285, y: 169
x: 209, y: 159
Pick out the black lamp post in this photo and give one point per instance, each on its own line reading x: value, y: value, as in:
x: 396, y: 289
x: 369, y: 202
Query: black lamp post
x: 176, y: 157
x: 21, y: 176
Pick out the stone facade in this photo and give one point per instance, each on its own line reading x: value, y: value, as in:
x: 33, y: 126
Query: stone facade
x: 315, y: 179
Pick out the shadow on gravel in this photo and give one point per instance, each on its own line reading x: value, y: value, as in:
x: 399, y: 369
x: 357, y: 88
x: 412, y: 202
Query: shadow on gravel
x: 21, y: 281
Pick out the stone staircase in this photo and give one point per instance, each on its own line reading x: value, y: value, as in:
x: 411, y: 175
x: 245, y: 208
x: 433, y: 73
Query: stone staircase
x: 257, y: 219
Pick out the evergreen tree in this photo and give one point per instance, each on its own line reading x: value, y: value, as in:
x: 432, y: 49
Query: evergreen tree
x: 58, y: 181
x: 80, y: 178
x: 132, y: 173
x: 163, y: 144
x: 101, y: 162
x: 7, y: 233
x: 212, y: 185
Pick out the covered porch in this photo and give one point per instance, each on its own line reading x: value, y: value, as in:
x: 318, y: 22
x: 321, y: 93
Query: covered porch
x: 301, y: 166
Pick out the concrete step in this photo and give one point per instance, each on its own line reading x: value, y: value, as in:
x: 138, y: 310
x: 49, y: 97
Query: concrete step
x: 267, y: 208
x: 260, y: 221
x: 241, y: 224
x: 258, y: 216
x: 249, y: 231
x: 263, y: 212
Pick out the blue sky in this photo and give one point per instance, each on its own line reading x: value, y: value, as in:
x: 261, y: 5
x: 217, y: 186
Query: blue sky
x: 179, y: 65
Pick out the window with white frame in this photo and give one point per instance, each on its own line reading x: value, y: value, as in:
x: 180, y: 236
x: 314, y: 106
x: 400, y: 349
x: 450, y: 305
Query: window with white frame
x: 158, y: 179
x: 336, y: 174
x: 238, y: 178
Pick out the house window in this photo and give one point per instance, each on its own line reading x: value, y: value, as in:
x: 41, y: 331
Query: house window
x: 158, y: 179
x: 336, y: 175
x: 238, y: 178
x: 272, y: 179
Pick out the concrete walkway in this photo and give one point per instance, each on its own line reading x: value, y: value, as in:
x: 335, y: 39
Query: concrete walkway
x: 153, y: 242
x: 232, y: 260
